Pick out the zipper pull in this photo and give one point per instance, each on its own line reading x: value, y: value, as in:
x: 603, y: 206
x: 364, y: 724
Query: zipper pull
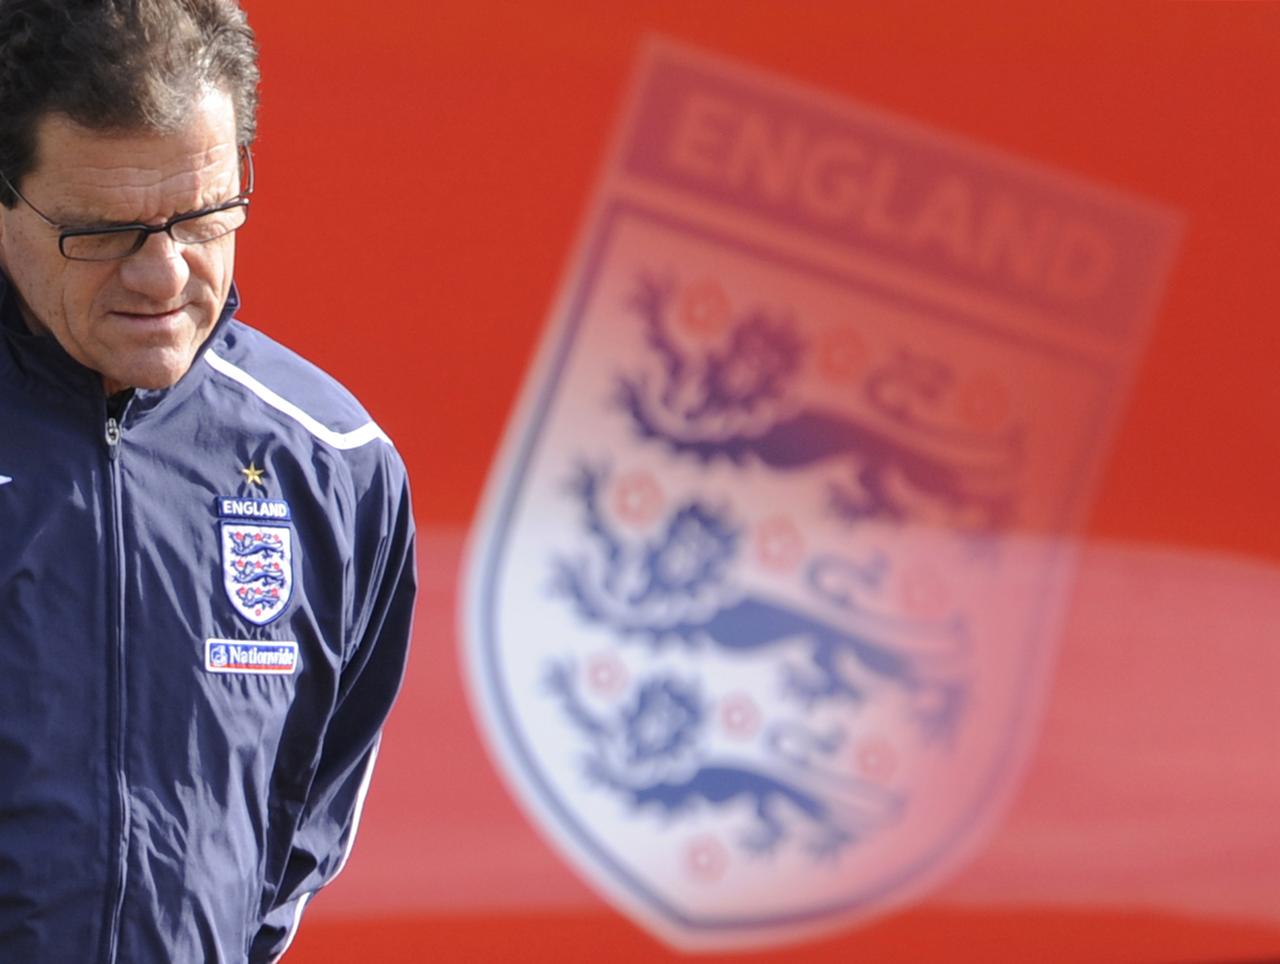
x: 113, y: 436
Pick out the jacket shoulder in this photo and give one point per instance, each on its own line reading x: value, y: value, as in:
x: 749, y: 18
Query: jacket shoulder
x: 292, y: 388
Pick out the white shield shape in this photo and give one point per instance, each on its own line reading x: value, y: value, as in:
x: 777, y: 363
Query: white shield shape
x: 760, y: 608
x: 257, y: 569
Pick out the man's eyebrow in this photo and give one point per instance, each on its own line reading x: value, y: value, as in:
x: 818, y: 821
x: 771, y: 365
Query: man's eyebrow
x: 82, y: 222
x: 92, y: 224
x: 102, y: 224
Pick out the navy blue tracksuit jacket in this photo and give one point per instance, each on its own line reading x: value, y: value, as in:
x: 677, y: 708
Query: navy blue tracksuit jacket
x: 205, y: 605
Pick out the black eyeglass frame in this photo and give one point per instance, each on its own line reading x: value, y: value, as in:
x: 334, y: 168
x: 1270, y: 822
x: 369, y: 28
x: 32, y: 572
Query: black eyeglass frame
x: 145, y: 231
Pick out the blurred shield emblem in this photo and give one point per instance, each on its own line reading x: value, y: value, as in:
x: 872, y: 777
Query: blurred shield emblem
x: 759, y: 614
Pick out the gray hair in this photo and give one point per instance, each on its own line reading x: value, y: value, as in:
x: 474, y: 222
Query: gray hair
x: 118, y: 65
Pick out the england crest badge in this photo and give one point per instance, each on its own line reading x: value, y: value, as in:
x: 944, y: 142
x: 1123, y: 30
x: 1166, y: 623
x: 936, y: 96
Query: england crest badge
x: 759, y: 614
x: 257, y: 558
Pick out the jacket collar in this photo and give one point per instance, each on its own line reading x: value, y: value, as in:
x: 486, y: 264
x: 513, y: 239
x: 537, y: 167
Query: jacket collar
x: 43, y: 367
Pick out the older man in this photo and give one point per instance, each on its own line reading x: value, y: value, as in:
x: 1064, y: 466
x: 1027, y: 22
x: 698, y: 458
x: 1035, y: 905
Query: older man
x: 206, y: 546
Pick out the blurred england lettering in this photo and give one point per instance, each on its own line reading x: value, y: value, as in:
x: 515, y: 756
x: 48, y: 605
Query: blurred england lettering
x: 761, y: 608
x: 838, y: 179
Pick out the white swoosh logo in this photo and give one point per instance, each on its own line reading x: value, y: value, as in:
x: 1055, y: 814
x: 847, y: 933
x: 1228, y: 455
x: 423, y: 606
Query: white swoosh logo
x: 5, y: 480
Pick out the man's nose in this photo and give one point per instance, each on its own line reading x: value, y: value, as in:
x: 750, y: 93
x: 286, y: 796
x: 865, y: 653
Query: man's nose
x: 158, y: 269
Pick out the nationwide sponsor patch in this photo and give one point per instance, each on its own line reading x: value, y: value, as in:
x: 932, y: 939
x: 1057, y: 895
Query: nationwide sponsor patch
x: 274, y: 658
x: 257, y: 568
x: 232, y: 507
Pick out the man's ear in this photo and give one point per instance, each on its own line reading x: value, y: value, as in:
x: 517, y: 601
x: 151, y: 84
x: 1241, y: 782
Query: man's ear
x: 5, y: 213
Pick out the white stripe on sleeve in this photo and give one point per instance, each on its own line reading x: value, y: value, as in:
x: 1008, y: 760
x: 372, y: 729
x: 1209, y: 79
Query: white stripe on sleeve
x: 363, y: 435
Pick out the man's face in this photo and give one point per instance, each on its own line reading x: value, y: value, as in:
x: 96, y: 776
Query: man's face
x: 138, y: 321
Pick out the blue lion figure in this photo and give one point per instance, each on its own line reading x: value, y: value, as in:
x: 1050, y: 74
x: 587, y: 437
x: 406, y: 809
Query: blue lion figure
x: 675, y: 588
x: 245, y: 546
x: 738, y: 402
x: 263, y: 579
x: 648, y: 752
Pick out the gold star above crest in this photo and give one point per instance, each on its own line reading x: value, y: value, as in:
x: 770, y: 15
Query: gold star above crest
x: 253, y: 475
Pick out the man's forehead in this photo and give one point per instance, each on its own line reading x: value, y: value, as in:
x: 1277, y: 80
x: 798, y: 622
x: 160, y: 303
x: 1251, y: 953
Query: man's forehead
x: 77, y: 165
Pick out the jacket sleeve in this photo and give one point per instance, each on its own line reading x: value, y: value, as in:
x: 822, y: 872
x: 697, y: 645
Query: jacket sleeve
x: 367, y: 688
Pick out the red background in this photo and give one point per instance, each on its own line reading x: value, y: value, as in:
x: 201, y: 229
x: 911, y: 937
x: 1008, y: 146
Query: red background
x: 423, y: 170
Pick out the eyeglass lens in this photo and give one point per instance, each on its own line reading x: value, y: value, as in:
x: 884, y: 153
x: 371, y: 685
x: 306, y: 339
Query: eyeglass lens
x: 115, y: 243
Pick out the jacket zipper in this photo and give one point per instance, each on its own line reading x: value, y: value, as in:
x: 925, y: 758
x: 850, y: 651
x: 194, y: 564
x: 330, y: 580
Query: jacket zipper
x: 116, y: 673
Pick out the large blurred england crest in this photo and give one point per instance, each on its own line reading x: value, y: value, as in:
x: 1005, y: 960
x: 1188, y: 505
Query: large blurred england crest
x: 760, y: 613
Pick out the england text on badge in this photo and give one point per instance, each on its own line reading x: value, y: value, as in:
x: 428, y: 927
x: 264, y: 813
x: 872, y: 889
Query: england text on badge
x: 760, y: 613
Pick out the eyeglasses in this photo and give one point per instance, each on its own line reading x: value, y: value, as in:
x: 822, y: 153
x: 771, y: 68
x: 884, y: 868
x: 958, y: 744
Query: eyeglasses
x: 121, y: 241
